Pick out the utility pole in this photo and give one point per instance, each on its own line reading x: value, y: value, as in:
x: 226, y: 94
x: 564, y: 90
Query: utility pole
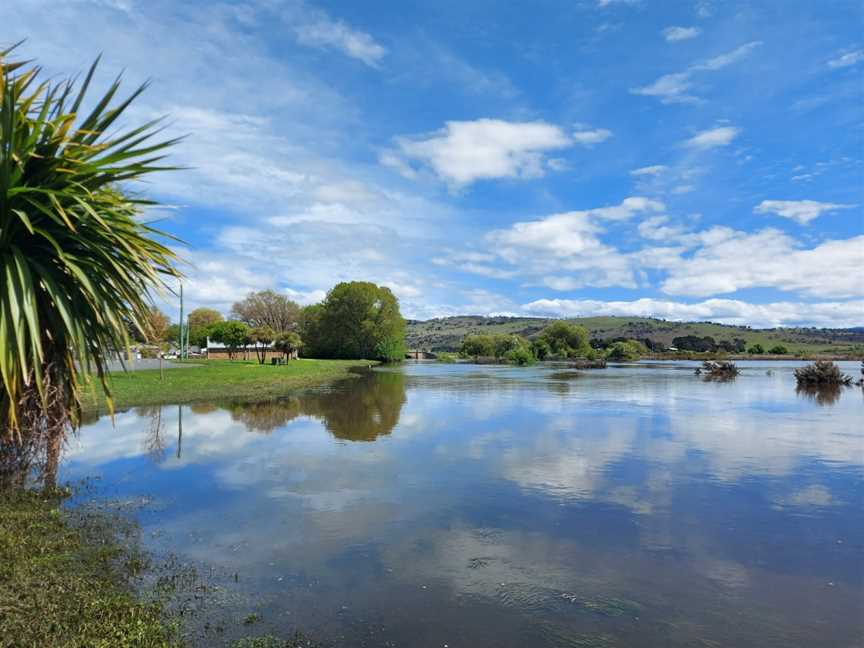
x: 181, y: 320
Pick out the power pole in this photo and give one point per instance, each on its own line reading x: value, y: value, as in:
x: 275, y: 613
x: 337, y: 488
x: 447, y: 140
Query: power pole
x: 181, y: 320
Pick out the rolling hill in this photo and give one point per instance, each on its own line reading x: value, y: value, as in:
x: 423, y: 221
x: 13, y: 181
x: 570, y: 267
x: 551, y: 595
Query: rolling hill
x: 445, y: 334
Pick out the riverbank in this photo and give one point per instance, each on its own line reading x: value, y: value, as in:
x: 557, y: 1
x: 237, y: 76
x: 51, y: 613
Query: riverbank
x: 69, y: 585
x: 217, y: 380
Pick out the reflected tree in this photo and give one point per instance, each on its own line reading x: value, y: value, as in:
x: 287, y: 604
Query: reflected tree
x: 266, y: 416
x: 824, y: 395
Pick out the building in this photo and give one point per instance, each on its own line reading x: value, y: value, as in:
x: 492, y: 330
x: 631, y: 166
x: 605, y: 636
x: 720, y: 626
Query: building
x: 218, y: 351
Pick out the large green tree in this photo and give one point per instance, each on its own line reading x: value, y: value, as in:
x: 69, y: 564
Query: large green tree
x: 77, y: 260
x: 200, y: 321
x: 357, y: 320
x: 566, y: 340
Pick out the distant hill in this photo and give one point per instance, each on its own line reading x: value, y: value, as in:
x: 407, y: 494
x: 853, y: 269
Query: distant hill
x: 445, y: 334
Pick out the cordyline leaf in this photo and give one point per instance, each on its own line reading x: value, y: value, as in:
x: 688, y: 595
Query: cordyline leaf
x: 77, y: 266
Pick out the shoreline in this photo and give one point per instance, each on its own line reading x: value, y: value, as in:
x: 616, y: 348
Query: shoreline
x: 217, y: 380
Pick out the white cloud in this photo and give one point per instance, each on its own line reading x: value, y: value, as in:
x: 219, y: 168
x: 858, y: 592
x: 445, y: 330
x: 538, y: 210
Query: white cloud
x: 729, y: 260
x: 713, y: 137
x: 608, y: 3
x: 802, y: 211
x: 563, y: 251
x: 320, y: 31
x: 727, y: 311
x: 590, y: 137
x: 465, y: 151
x: 847, y: 59
x: 675, y: 34
x: 654, y: 170
x: 673, y: 88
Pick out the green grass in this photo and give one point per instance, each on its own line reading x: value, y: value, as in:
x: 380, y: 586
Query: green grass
x: 69, y: 585
x: 218, y: 380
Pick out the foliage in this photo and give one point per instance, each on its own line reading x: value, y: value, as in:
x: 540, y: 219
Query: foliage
x: 722, y: 370
x: 512, y: 348
x: 156, y: 326
x: 520, y: 356
x: 566, y: 340
x: 65, y: 585
x: 200, y: 321
x: 288, y: 343
x: 267, y: 308
x: 694, y: 343
x: 778, y: 349
x: 629, y: 350
x: 233, y: 334
x: 357, y: 320
x: 446, y: 357
x: 261, y: 337
x: 822, y: 372
x: 77, y: 263
x: 477, y: 346
x: 756, y: 349
x: 540, y: 349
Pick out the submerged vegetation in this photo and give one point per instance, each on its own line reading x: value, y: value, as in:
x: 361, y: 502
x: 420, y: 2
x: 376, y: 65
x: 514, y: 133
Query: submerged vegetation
x: 69, y: 585
x: 821, y: 372
x: 722, y: 370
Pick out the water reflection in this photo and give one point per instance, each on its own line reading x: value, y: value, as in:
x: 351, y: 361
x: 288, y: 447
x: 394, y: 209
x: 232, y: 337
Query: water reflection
x: 492, y: 507
x: 821, y: 394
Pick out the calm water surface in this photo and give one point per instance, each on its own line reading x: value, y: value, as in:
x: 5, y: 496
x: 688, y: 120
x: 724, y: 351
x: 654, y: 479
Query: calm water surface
x: 458, y: 505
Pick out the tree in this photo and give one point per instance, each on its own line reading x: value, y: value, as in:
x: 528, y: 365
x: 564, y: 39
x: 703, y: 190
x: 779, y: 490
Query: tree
x: 477, y: 346
x: 626, y: 350
x: 288, y: 343
x: 233, y: 334
x: 756, y: 349
x: 267, y: 308
x: 357, y: 320
x: 200, y: 321
x: 156, y: 326
x: 261, y: 337
x: 778, y: 349
x: 566, y: 340
x: 694, y: 343
x: 76, y: 260
x: 540, y: 348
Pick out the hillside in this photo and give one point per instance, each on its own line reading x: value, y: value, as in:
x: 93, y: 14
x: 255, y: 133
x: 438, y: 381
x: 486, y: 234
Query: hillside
x: 445, y: 334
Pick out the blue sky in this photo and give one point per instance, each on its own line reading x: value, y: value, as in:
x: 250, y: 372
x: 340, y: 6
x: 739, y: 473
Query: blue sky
x: 683, y: 159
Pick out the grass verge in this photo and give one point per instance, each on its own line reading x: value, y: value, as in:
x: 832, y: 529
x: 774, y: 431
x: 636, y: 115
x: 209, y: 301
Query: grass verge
x: 69, y: 585
x: 218, y: 380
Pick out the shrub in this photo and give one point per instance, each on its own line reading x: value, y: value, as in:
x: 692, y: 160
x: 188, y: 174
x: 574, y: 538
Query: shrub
x: 822, y: 372
x: 778, y: 350
x: 756, y: 349
x: 721, y: 370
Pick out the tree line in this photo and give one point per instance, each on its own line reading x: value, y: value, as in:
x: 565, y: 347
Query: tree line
x: 356, y: 320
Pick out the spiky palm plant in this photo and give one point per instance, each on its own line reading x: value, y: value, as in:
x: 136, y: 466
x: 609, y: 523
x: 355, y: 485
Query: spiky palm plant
x: 77, y: 263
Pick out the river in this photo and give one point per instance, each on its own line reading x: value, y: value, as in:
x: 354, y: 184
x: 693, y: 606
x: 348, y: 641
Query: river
x: 454, y: 505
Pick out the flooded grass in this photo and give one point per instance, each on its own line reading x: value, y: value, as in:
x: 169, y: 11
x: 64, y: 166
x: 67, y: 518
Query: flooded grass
x: 65, y: 584
x: 217, y: 379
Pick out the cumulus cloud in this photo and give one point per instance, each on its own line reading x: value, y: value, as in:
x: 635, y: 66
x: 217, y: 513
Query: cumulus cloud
x: 729, y: 260
x: 713, y: 137
x: 564, y: 251
x: 802, y: 211
x: 321, y: 31
x: 674, y: 87
x: 675, y: 34
x: 727, y: 311
x: 466, y: 151
x: 847, y: 59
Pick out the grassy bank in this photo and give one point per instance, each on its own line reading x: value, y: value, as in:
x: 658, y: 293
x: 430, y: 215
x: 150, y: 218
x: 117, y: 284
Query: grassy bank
x: 218, y: 380
x: 65, y: 585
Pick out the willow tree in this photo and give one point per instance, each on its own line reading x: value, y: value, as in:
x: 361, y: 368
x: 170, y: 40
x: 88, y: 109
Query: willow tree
x: 78, y: 264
